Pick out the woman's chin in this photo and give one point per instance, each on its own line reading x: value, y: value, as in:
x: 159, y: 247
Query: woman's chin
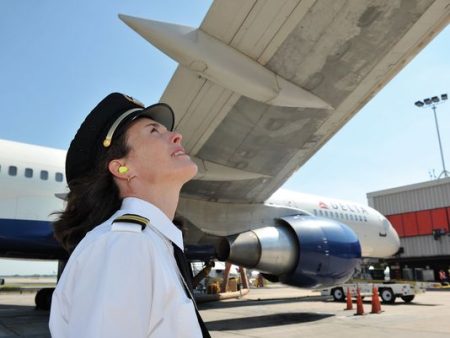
x: 188, y: 172
x: 193, y: 171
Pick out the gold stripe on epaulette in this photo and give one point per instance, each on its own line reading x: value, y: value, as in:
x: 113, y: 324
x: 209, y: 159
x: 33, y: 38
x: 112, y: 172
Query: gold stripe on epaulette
x: 132, y: 218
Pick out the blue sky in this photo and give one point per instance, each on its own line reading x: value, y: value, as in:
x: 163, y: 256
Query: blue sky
x: 59, y: 58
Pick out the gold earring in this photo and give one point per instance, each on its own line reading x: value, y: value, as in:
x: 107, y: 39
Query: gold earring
x: 123, y: 170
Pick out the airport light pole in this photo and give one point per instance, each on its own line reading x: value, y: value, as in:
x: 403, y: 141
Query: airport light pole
x: 432, y: 102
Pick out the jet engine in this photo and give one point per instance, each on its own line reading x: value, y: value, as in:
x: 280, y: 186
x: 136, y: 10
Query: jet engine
x: 303, y: 251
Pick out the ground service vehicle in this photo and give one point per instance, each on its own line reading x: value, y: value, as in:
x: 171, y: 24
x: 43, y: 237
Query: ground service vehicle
x: 388, y: 291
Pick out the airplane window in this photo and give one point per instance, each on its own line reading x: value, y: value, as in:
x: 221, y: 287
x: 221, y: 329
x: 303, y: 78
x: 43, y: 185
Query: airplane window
x: 44, y: 175
x: 28, y: 172
x: 346, y: 216
x: 12, y: 170
x: 315, y: 212
x: 365, y: 219
x: 59, y: 177
x: 342, y: 215
x: 320, y: 212
x: 326, y: 213
x: 360, y: 218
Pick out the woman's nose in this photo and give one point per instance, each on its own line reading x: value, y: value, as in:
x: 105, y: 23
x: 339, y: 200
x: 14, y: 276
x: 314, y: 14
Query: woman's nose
x: 176, y: 137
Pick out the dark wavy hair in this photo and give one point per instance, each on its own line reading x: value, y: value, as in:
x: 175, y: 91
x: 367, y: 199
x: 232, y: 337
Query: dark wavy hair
x: 92, y: 199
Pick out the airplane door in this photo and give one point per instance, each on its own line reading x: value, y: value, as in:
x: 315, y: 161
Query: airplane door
x: 384, y: 230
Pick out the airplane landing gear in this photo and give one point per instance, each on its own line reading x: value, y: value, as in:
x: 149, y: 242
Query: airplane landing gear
x: 43, y: 299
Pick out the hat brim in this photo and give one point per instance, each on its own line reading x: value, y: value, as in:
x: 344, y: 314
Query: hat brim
x: 159, y: 112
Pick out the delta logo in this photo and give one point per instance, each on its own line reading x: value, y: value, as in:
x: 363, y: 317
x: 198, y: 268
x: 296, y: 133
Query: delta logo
x: 323, y: 205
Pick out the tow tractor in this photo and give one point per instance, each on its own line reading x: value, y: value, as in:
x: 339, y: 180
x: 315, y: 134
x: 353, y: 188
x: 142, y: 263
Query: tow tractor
x: 388, y: 291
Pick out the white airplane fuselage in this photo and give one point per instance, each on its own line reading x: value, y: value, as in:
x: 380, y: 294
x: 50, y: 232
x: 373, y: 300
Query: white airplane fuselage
x: 376, y: 234
x: 29, y: 194
x: 31, y: 175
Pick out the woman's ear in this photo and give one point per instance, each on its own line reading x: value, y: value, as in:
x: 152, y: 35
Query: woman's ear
x: 117, y: 169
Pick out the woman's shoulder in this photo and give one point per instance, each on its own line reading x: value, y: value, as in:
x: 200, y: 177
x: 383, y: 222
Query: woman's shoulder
x: 107, y: 238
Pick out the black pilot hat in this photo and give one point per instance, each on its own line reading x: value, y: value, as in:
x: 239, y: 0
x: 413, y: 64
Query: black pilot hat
x: 97, y: 131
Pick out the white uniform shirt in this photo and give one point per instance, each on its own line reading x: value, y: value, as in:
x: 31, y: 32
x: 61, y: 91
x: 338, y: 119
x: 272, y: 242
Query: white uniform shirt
x: 124, y: 282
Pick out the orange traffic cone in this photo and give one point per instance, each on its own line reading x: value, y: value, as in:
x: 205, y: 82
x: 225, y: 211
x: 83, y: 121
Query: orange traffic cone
x: 349, y: 301
x: 359, y: 304
x: 376, y: 306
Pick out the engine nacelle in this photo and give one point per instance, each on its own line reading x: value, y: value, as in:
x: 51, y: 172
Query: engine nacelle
x: 303, y: 251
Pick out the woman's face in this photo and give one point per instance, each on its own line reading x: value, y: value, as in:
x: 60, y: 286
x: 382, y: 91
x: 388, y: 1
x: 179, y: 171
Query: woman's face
x: 156, y: 155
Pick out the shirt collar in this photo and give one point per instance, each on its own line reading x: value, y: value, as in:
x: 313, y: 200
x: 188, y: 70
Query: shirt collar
x: 158, y: 219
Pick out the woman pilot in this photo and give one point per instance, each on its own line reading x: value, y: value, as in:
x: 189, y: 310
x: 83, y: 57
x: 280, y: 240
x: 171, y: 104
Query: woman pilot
x: 125, y: 169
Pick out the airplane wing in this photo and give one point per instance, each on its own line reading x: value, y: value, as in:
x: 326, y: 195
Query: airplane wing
x: 343, y: 52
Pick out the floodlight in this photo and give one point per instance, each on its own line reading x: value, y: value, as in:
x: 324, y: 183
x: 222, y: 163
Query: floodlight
x: 433, y: 102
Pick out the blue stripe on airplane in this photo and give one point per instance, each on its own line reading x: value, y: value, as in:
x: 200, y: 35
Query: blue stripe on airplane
x: 29, y: 239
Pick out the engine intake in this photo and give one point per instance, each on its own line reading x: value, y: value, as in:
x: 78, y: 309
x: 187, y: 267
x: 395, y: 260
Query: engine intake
x: 303, y: 251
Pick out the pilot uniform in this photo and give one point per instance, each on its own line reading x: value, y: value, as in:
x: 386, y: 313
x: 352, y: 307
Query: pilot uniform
x: 125, y: 281
x: 127, y: 277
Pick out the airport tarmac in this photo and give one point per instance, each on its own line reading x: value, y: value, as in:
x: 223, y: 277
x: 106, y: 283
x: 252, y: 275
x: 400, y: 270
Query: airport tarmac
x: 275, y: 311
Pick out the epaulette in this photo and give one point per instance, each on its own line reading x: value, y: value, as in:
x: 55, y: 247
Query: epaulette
x: 118, y: 223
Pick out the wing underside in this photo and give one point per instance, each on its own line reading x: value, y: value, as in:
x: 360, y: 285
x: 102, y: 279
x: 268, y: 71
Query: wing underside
x: 342, y: 51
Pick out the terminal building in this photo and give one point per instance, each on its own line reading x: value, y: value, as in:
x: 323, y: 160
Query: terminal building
x: 421, y: 215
